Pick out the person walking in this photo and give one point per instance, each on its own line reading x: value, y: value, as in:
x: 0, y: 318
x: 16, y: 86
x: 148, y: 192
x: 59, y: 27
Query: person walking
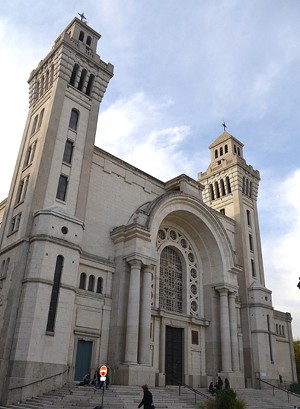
x: 147, y: 398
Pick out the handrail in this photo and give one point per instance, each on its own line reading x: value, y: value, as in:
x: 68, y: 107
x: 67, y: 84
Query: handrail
x: 280, y: 389
x: 196, y: 392
x: 39, y: 380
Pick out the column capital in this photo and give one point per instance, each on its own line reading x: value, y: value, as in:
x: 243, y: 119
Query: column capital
x: 222, y: 290
x: 149, y: 268
x: 134, y: 262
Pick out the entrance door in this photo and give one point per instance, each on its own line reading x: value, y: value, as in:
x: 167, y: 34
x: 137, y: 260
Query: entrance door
x: 174, y: 353
x: 83, y: 359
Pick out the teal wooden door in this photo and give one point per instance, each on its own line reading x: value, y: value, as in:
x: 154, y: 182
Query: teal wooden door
x: 83, y: 359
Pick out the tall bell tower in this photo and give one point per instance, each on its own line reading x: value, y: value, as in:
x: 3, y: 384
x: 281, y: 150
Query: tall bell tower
x: 231, y: 188
x: 41, y: 231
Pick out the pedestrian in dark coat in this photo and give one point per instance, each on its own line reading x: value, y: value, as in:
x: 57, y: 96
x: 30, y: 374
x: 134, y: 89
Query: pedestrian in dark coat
x: 147, y: 398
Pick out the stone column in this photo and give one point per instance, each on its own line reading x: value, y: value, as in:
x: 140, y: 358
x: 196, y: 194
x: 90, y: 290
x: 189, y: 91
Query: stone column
x: 133, y: 310
x: 233, y: 333
x: 145, y: 317
x: 225, y: 330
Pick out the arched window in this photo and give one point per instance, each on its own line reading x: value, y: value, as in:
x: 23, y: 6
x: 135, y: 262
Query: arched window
x: 221, y: 151
x: 91, y: 283
x: 89, y: 40
x: 170, y: 284
x: 82, y: 79
x: 226, y: 148
x: 90, y: 85
x: 234, y: 148
x: 211, y: 191
x: 228, y: 185
x: 55, y: 293
x: 82, y: 282
x: 216, y: 153
x: 81, y: 36
x: 100, y: 285
x: 74, y: 119
x: 222, y: 187
x: 217, y: 190
x: 74, y: 74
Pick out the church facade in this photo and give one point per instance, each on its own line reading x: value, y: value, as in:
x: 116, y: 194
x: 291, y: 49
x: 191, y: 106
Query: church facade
x: 102, y: 263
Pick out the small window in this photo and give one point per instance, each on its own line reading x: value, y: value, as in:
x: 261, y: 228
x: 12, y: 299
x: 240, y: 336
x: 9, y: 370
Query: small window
x: 250, y: 242
x: 22, y: 190
x: 74, y: 74
x: 222, y: 187
x: 40, y: 119
x: 244, y: 185
x: 47, y: 80
x: 228, y: 185
x: 82, y: 79
x: 15, y: 223
x: 62, y: 188
x: 74, y: 119
x: 68, y: 152
x: 216, y: 153
x: 250, y: 189
x: 52, y: 75
x: 100, y: 285
x: 222, y: 211
x: 234, y: 148
x: 42, y: 85
x: 34, y: 125
x: 248, y: 217
x: 217, y: 190
x: 253, y: 268
x: 81, y: 36
x: 90, y: 85
x: 195, y: 337
x: 89, y: 40
x: 238, y: 151
x: 221, y: 151
x: 91, y: 283
x: 82, y: 282
x: 226, y: 148
x: 211, y: 191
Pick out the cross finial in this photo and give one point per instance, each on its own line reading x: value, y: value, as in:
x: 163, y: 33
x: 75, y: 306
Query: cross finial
x: 224, y: 126
x: 82, y: 17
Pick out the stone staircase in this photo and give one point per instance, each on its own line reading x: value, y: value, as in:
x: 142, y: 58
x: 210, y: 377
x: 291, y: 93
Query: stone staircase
x: 128, y: 397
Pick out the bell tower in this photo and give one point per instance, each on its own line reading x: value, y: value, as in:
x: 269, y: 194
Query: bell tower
x: 42, y: 228
x: 231, y: 188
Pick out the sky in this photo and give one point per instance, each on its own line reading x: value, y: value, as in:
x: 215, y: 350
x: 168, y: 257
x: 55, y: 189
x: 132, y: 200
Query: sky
x: 181, y: 69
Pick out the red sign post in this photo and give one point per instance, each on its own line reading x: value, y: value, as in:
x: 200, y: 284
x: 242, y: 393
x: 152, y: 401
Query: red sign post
x: 103, y: 370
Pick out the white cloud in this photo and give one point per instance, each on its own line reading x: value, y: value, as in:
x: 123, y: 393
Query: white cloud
x: 136, y: 130
x: 281, y: 247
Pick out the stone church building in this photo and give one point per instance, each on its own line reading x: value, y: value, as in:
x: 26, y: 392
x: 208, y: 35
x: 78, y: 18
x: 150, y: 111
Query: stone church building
x: 103, y: 263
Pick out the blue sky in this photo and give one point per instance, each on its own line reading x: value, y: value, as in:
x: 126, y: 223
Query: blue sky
x: 181, y: 68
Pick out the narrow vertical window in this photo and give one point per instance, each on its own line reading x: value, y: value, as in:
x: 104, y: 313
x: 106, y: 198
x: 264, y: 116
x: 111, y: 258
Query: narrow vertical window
x: 253, y: 268
x: 221, y: 151
x: 81, y: 36
x: 82, y: 79
x: 91, y: 283
x: 248, y: 217
x: 42, y: 85
x: 211, y: 191
x: 195, y: 337
x: 270, y: 339
x: 55, y: 293
x: 74, y: 74
x: 89, y: 40
x: 40, y: 118
x: 47, y: 80
x: 250, y: 189
x: 250, y: 242
x: 228, y: 184
x: 216, y: 153
x: 244, y: 185
x: 234, y: 148
x: 217, y: 190
x: 90, y: 85
x: 222, y: 187
x: 62, y: 188
x: 247, y: 187
x: 74, y: 119
x: 226, y: 148
x: 238, y: 151
x: 100, y: 285
x: 82, y: 282
x: 68, y: 152
x: 34, y: 125
x: 51, y: 75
